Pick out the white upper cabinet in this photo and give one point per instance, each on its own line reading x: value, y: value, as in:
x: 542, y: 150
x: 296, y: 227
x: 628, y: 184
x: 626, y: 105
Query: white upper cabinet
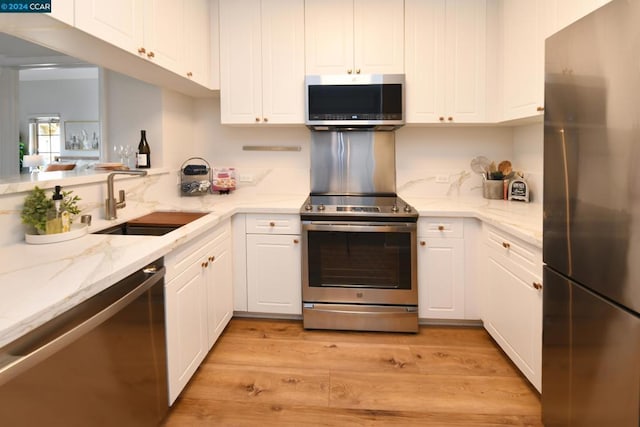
x: 523, y: 58
x: 262, y: 61
x: 445, y: 68
x: 197, y: 36
x: 525, y: 26
x: 119, y: 22
x: 63, y: 10
x: 378, y: 36
x: 164, y: 33
x: 354, y: 36
x: 174, y: 34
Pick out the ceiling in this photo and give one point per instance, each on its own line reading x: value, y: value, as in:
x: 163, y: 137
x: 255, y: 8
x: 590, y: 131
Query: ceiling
x: 36, y: 62
x: 15, y: 52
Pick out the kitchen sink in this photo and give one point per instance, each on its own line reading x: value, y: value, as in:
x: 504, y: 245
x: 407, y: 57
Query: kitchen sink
x: 156, y: 223
x: 128, y: 229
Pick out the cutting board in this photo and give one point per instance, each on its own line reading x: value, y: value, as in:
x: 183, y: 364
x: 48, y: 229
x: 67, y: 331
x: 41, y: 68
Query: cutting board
x: 168, y: 219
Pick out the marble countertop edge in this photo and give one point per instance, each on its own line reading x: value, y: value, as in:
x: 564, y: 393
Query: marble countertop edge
x: 38, y: 284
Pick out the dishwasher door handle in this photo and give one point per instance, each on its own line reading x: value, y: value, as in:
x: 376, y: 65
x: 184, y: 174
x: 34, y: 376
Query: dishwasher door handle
x: 14, y: 363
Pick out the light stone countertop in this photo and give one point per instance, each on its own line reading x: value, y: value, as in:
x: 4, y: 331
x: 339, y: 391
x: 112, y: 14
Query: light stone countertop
x: 39, y: 282
x: 523, y: 220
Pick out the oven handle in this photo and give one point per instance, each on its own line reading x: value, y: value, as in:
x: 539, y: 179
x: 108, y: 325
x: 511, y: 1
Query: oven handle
x: 376, y: 227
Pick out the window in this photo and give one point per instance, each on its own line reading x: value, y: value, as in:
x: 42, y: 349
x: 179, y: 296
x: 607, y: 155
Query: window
x: 44, y: 137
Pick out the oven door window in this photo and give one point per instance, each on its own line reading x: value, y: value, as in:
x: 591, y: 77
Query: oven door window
x: 380, y: 260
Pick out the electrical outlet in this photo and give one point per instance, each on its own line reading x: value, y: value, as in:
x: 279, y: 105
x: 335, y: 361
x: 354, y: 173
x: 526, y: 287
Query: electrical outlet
x: 442, y: 179
x: 246, y: 177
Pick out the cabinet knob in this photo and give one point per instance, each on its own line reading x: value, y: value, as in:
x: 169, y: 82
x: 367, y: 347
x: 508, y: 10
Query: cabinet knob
x: 540, y: 109
x: 450, y: 118
x: 142, y: 50
x: 257, y: 119
x: 441, y: 228
x: 506, y: 245
x: 272, y: 224
x: 349, y: 71
x: 358, y: 71
x: 423, y: 243
x: 296, y: 241
x: 205, y: 264
x: 265, y: 120
x: 441, y: 118
x: 189, y: 74
x: 212, y: 258
x: 151, y: 55
x: 537, y: 285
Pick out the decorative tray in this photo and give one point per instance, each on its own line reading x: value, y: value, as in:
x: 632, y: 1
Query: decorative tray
x: 110, y: 166
x: 77, y: 230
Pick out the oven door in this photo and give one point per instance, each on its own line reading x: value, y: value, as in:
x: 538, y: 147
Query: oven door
x: 359, y: 263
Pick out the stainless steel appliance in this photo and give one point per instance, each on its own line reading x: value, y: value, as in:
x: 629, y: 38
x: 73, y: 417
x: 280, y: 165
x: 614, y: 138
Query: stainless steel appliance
x: 591, y: 330
x: 371, y: 101
x: 100, y: 363
x: 358, y: 237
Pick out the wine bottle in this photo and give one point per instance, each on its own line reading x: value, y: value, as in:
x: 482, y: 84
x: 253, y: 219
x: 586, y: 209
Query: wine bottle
x: 143, y: 159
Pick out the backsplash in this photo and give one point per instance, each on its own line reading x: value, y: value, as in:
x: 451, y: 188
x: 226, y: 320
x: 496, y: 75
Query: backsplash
x: 141, y: 193
x: 431, y: 161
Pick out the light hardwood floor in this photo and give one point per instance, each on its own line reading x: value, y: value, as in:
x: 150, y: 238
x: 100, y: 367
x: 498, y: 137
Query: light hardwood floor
x: 275, y: 373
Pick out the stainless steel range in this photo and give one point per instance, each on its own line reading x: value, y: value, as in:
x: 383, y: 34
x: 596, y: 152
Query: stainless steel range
x: 358, y: 238
x: 360, y: 208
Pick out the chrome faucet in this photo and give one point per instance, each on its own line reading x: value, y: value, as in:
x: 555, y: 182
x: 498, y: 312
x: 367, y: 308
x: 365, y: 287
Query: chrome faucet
x: 111, y: 205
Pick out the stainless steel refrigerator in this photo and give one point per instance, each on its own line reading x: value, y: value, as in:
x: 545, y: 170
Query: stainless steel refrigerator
x: 591, y: 328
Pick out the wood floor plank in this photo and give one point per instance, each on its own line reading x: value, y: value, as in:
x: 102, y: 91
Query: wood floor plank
x: 275, y: 373
x: 200, y: 412
x: 433, y: 393
x: 284, y: 386
x: 316, y: 354
x: 427, y: 335
x: 473, y: 361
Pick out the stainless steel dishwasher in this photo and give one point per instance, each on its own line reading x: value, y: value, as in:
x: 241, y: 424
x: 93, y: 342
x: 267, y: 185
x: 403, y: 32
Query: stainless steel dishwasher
x: 102, y: 363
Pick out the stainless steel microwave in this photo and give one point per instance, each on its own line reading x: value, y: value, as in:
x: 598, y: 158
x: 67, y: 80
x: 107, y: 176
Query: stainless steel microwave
x: 354, y: 101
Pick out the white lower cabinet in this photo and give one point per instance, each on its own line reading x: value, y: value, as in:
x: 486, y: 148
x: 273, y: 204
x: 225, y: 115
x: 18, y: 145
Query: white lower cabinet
x: 512, y: 300
x: 441, y: 281
x: 273, y: 264
x: 219, y: 289
x: 199, y: 302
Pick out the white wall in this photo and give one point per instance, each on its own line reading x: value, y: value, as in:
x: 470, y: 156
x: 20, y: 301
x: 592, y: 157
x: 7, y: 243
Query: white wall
x: 9, y: 151
x: 277, y: 172
x: 132, y: 105
x: 74, y: 100
x: 427, y: 153
x: 178, y: 138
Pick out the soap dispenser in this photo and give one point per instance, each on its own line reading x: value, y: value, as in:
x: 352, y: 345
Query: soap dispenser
x: 55, y: 223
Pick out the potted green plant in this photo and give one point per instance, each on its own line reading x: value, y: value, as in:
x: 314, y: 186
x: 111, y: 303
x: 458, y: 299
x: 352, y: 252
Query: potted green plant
x: 37, y: 204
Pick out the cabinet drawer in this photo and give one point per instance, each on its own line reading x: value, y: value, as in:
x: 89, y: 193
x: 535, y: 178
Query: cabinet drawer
x: 182, y: 257
x: 511, y: 248
x: 441, y: 227
x: 273, y: 224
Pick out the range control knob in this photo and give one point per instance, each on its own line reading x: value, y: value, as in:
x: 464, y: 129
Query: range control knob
x: 394, y: 208
x: 407, y: 208
x: 320, y: 207
x: 308, y: 207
